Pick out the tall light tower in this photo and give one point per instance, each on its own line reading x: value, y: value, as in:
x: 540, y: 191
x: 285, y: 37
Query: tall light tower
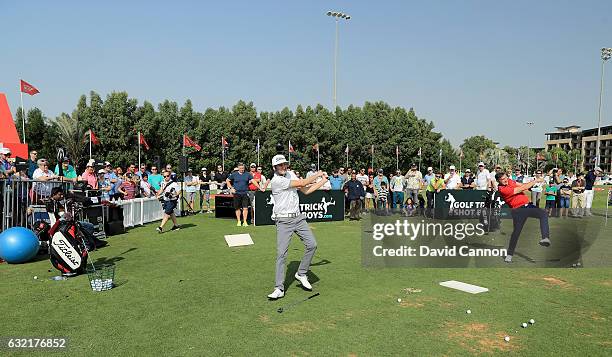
x: 529, y: 125
x: 337, y: 15
x: 606, y: 54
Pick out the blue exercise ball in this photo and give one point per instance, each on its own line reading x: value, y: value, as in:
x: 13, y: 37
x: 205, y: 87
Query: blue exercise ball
x: 18, y: 245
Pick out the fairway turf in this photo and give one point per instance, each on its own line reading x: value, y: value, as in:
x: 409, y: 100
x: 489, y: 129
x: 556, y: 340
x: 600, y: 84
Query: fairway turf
x: 187, y: 293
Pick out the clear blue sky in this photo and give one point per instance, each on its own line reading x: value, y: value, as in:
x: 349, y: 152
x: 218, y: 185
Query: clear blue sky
x: 473, y: 67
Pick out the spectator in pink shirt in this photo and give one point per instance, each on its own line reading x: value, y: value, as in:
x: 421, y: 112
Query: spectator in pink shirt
x: 90, y: 176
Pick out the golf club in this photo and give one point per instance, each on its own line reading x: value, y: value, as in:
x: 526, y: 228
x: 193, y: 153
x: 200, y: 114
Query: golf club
x: 281, y: 309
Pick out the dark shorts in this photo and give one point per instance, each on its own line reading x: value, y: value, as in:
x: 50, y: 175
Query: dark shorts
x: 169, y: 207
x: 241, y: 200
x: 550, y: 204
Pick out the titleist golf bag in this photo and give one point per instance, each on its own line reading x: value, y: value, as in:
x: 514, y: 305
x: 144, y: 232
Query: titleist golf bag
x: 67, y: 250
x: 491, y: 212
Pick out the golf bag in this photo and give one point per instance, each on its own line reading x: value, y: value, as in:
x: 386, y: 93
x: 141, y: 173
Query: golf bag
x: 67, y: 250
x: 490, y: 215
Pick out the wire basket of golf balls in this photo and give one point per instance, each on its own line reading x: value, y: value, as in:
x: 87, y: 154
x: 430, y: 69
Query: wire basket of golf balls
x: 101, y: 277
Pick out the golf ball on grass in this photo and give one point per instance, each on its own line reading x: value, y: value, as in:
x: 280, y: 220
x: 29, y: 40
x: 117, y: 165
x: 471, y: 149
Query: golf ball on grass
x: 35, y: 277
x: 507, y: 338
x: 532, y: 321
x: 468, y: 312
x: 524, y: 325
x: 399, y: 300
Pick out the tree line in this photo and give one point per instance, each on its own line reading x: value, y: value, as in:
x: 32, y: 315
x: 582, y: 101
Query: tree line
x: 117, y: 120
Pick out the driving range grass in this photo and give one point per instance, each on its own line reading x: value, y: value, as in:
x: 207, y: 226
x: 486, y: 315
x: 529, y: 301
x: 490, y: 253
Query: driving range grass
x: 187, y: 293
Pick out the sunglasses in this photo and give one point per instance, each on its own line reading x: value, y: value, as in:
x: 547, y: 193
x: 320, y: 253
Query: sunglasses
x: 166, y: 175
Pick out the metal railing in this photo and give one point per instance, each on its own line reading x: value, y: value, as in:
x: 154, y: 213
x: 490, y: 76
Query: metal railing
x: 21, y: 199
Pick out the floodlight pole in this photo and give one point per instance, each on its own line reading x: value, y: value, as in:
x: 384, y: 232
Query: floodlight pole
x: 529, y: 124
x: 337, y: 16
x: 606, y: 54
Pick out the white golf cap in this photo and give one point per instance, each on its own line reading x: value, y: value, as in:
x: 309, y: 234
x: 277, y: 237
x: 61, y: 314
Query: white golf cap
x: 481, y: 163
x: 101, y: 171
x: 278, y: 159
x: 253, y: 164
x: 91, y: 162
x: 106, y: 163
x: 430, y: 168
x: 468, y: 170
x: 5, y: 151
x: 452, y: 167
x: 598, y: 169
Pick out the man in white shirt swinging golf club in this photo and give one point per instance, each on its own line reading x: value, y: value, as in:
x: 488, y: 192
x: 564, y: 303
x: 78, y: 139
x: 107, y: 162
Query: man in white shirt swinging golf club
x: 289, y: 220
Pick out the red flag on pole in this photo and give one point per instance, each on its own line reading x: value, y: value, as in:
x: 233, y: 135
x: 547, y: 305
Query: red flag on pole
x: 143, y: 142
x: 90, y: 134
x: 316, y: 147
x: 28, y: 88
x: 188, y: 142
x: 224, y: 143
x: 291, y: 149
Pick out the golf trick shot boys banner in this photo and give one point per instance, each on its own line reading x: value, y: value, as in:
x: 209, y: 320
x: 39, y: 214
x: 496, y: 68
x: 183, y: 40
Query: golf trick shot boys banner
x: 319, y: 206
x: 464, y: 204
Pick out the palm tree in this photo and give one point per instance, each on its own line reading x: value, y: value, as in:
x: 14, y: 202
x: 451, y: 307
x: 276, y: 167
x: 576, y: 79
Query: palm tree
x: 71, y: 134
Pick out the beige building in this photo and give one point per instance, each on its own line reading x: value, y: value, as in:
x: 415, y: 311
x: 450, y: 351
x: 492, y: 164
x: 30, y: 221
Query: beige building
x: 571, y: 137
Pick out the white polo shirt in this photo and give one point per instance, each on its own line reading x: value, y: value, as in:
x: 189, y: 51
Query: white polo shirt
x: 453, y: 181
x: 286, y: 199
x: 482, y: 179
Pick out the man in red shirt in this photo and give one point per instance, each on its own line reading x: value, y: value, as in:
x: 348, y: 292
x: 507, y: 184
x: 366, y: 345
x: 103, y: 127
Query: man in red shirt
x: 254, y: 185
x: 512, y: 194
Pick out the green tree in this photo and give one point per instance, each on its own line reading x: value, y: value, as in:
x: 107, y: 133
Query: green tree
x: 475, y: 149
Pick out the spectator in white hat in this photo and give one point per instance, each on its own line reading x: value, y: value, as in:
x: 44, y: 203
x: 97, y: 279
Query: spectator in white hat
x: 452, y: 179
x: 483, y: 177
x: 6, y: 168
x: 429, y: 176
x: 467, y: 181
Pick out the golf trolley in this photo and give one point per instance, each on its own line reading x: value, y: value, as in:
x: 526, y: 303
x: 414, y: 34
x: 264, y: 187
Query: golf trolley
x: 490, y: 215
x: 64, y: 238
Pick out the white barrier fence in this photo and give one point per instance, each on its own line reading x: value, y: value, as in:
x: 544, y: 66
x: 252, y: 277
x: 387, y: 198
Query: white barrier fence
x: 139, y: 211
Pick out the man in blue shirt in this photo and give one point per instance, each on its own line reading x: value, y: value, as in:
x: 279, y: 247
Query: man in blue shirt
x: 336, y: 181
x: 429, y: 176
x: 355, y: 193
x: 238, y: 183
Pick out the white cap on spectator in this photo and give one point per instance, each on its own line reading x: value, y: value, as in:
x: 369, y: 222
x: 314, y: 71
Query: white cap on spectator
x: 106, y: 163
x: 598, y: 169
x: 5, y: 151
x: 481, y: 163
x: 452, y: 167
x: 101, y: 171
x: 253, y: 164
x: 430, y: 168
x: 468, y: 170
x: 91, y: 162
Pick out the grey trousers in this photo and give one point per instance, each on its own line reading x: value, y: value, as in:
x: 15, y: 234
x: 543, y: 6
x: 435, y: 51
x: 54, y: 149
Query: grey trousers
x: 285, y: 227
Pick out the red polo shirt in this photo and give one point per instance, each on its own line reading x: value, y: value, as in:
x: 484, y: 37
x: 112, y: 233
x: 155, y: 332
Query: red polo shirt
x: 507, y: 194
x: 256, y: 176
